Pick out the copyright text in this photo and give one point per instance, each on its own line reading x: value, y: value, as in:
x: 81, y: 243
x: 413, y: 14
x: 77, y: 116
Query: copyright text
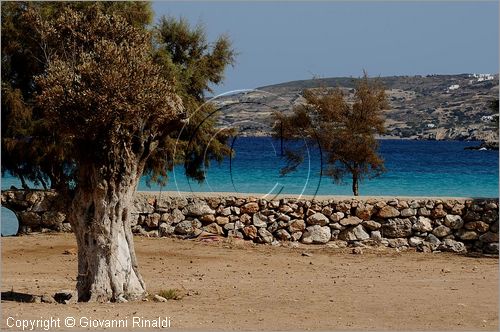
x: 50, y: 323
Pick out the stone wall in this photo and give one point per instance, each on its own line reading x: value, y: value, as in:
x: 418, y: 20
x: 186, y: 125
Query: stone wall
x: 36, y: 210
x: 457, y: 225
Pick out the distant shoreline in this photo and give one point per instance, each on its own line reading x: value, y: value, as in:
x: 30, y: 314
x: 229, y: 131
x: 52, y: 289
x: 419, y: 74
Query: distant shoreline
x: 382, y: 138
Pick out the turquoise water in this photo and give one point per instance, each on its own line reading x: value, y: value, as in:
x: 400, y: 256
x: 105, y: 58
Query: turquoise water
x: 414, y: 168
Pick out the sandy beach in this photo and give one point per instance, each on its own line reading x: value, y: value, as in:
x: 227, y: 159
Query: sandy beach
x: 185, y: 194
x: 232, y: 285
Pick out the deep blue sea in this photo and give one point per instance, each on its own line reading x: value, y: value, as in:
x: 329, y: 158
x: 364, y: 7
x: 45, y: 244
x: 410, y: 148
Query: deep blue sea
x: 414, y: 168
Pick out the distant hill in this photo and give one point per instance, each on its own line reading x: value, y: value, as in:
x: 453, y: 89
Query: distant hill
x: 422, y: 107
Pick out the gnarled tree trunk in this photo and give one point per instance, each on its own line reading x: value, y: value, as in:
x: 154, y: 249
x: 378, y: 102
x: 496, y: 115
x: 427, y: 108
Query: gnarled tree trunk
x: 100, y: 217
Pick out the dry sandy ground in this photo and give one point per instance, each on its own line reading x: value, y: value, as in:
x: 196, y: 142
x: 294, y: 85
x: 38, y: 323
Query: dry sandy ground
x: 241, y: 286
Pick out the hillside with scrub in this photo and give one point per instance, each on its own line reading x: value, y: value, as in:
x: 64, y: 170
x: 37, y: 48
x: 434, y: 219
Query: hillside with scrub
x: 435, y: 107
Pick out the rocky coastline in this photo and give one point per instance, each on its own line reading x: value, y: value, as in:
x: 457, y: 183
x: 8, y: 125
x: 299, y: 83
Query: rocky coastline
x: 485, y: 146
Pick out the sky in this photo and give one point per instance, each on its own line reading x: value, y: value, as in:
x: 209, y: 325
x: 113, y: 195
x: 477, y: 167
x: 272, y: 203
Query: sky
x: 285, y: 41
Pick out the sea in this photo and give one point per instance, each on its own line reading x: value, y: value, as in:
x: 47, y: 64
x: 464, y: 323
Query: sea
x: 413, y: 168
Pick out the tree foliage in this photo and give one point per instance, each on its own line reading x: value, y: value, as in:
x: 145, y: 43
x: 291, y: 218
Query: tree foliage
x: 31, y: 148
x: 345, y: 130
x: 198, y: 65
x: 34, y: 149
x: 101, y: 88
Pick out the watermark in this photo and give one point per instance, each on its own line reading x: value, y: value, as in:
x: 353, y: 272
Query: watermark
x: 51, y: 323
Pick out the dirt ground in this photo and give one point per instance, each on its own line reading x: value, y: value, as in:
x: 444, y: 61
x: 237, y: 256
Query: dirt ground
x: 242, y: 286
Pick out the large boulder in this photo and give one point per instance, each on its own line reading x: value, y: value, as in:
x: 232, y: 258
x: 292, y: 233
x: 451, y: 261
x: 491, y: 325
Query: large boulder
x: 141, y: 205
x: 198, y: 209
x: 222, y: 220
x: 398, y: 242
x: 489, y: 237
x: 273, y: 227
x: 327, y: 211
x: 408, y: 212
x: 43, y: 205
x: 351, y: 221
x: 423, y: 211
x: 357, y: 233
x: 265, y: 235
x: 364, y: 212
x: 296, y: 225
x: 360, y: 233
x: 166, y: 229
x: 226, y: 211
x: 376, y: 236
x: 296, y: 236
x: 433, y: 240
x: 397, y: 227
x: 207, y: 218
x: 453, y: 222
x: 388, y: 212
x: 438, y: 211
x: 316, y: 234
x: 283, y: 235
x: 259, y: 220
x: 458, y: 209
x: 337, y: 216
x: 371, y: 225
x: 441, y: 231
x: 423, y: 224
x: 453, y: 246
x: 214, y: 229
x: 415, y: 241
x: 250, y: 208
x: 472, y: 216
x: 479, y: 226
x: 245, y: 219
x: 153, y: 220
x: 464, y: 234
x: 250, y: 231
x: 490, y: 216
x: 176, y: 216
x: 491, y: 248
x: 186, y: 227
x: 317, y: 219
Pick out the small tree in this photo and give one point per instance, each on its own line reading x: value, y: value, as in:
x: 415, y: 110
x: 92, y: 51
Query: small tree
x: 345, y: 131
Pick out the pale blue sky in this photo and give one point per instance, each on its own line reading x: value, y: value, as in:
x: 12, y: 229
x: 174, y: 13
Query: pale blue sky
x: 279, y: 41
